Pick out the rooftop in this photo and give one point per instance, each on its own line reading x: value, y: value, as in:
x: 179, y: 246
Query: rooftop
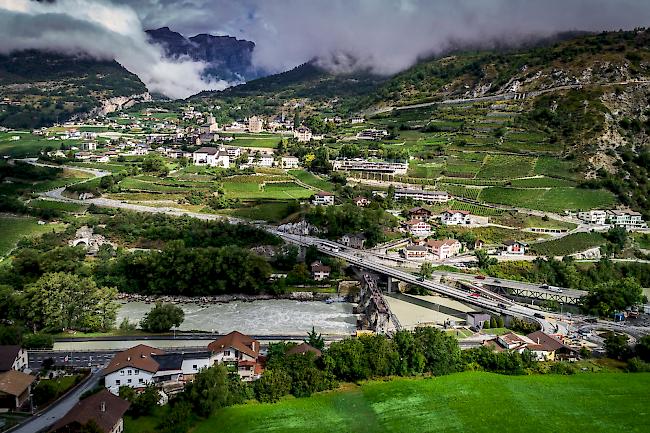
x: 104, y: 408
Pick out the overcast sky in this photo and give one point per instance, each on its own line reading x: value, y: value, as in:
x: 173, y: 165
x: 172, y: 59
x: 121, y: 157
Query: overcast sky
x: 385, y: 36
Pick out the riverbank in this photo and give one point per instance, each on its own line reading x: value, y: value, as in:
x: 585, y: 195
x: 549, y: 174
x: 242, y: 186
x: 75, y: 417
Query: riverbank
x: 303, y: 296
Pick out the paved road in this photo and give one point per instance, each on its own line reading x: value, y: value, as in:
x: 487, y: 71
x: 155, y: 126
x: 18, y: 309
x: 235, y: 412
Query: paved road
x: 45, y: 419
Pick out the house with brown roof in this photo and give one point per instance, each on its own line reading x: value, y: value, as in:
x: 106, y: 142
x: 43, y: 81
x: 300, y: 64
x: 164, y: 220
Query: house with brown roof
x: 420, y: 214
x: 303, y: 349
x: 444, y: 248
x: 549, y: 347
x: 319, y: 271
x: 13, y: 358
x: 15, y: 388
x: 240, y: 350
x: 103, y: 408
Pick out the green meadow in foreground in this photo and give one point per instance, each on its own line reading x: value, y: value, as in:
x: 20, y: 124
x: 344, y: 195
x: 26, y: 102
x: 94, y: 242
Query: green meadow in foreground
x: 464, y: 402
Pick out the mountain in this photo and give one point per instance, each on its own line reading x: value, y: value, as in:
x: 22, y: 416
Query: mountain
x: 39, y: 88
x: 228, y: 58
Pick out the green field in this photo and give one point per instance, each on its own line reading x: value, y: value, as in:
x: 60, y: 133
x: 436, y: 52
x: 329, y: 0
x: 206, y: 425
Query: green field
x: 569, y: 244
x: 592, y: 402
x: 312, y: 180
x: 272, y: 212
x: 278, y: 191
x: 12, y: 229
x: 506, y: 167
x: 57, y: 205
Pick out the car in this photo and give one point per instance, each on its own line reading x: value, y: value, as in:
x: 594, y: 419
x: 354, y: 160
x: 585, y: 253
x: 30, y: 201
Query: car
x: 420, y: 278
x: 480, y: 277
x: 497, y: 281
x: 539, y: 316
x: 475, y: 295
x: 501, y: 306
x: 544, y: 286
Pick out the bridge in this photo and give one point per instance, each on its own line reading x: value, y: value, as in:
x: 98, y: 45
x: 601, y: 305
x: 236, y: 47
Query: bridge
x: 356, y: 258
x: 378, y: 314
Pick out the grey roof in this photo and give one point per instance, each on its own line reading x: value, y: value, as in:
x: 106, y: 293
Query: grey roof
x: 416, y: 248
x: 8, y: 355
x: 169, y: 361
x: 208, y: 150
x: 419, y: 191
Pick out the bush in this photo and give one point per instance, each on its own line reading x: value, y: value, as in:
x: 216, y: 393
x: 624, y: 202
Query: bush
x: 562, y: 368
x: 162, y: 318
x: 273, y: 385
x: 38, y: 341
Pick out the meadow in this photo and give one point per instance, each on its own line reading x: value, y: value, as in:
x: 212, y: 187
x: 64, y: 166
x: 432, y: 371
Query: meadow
x: 12, y: 229
x: 593, y: 402
x: 551, y: 199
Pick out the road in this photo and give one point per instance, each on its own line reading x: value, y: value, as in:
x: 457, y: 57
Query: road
x: 43, y: 420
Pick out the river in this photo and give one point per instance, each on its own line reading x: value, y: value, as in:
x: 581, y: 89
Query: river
x: 268, y: 317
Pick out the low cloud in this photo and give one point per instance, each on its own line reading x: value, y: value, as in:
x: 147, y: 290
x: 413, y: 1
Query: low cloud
x: 100, y: 30
x: 385, y: 36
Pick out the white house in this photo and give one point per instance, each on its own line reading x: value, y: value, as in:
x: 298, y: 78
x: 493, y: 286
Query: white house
x: 302, y: 134
x: 289, y: 162
x: 514, y: 247
x: 364, y: 165
x: 320, y: 271
x: 372, y: 134
x: 422, y: 195
x: 418, y: 228
x: 211, y: 156
x: 597, y: 217
x: 261, y: 160
x: 134, y: 367
x: 626, y: 218
x: 455, y: 217
x: 443, y: 249
x: 13, y: 358
x: 323, y: 199
x: 356, y: 120
x: 354, y: 240
x: 233, y: 152
x: 238, y: 350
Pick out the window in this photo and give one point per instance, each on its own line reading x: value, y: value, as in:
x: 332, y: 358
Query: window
x: 121, y: 372
x: 226, y: 353
x: 194, y: 366
x: 141, y: 380
x: 117, y: 382
x: 136, y: 372
x: 130, y: 372
x: 129, y: 381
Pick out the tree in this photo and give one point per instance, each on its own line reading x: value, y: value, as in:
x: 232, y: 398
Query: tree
x: 153, y: 163
x: 642, y: 348
x: 606, y: 298
x: 273, y: 385
x: 486, y: 324
x: 209, y: 390
x: 315, y: 340
x: 145, y: 402
x: 61, y: 301
x: 616, y: 346
x: 177, y: 419
x: 426, y: 270
x: 493, y: 322
x: 484, y: 260
x: 440, y: 350
x: 162, y: 318
x: 500, y: 322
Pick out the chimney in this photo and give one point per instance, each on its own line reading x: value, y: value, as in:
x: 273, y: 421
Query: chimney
x: 128, y: 358
x: 102, y: 406
x: 537, y: 340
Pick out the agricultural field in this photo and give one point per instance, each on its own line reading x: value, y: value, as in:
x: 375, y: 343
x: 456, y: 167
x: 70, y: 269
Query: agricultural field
x: 256, y: 140
x: 27, y: 145
x: 278, y: 191
x: 272, y: 212
x: 449, y: 404
x: 506, y: 167
x: 57, y: 205
x: 551, y: 200
x: 13, y: 228
x: 312, y: 180
x: 570, y: 244
x: 520, y: 220
x: 496, y: 235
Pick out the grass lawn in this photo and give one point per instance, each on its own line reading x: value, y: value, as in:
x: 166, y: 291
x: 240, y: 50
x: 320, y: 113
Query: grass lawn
x: 312, y: 180
x: 57, y: 205
x: 12, y: 229
x: 60, y: 386
x: 272, y: 212
x: 587, y: 402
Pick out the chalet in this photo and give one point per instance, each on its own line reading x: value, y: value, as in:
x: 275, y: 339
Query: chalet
x: 15, y: 389
x: 419, y: 214
x: 103, y: 408
x: 479, y: 244
x: 238, y: 350
x: 414, y: 252
x: 323, y: 199
x: 455, y: 217
x: 211, y: 156
x: 302, y: 134
x: 320, y: 271
x: 422, y: 195
x: 354, y: 240
x: 361, y: 201
x: 443, y: 249
x: 512, y: 341
x: 13, y: 358
x: 418, y: 228
x: 514, y: 247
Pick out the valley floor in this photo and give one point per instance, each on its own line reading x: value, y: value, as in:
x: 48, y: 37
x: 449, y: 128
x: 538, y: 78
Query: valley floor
x: 463, y: 402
